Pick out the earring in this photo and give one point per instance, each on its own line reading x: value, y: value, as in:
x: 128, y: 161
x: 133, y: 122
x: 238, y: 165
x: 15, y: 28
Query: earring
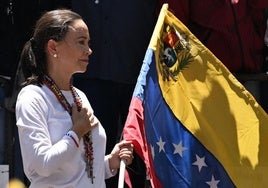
x: 55, y: 55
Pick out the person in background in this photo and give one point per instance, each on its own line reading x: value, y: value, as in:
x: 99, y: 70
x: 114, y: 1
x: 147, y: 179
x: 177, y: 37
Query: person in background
x: 15, y: 25
x: 2, y: 119
x: 266, y: 32
x: 17, y: 20
x: 121, y: 31
x: 7, y: 68
x: 62, y: 141
x: 234, y: 31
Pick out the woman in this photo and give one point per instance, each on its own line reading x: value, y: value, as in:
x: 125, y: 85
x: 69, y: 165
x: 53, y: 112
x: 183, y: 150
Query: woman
x: 62, y: 142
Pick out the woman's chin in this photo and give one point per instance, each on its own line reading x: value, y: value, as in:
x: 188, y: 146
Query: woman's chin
x: 82, y: 68
x: 81, y: 71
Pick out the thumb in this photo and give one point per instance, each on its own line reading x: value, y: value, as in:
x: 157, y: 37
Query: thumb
x: 74, y: 108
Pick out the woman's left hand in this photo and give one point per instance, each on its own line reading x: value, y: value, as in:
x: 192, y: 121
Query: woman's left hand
x: 122, y: 150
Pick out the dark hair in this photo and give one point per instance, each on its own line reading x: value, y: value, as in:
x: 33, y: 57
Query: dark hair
x: 52, y: 25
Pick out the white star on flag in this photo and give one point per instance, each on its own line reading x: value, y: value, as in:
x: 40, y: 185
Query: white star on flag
x: 161, y: 145
x: 213, y: 183
x: 179, y: 148
x: 200, y: 162
x: 152, y: 151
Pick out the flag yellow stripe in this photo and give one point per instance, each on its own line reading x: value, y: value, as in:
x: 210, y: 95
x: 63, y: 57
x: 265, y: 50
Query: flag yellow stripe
x: 216, y: 109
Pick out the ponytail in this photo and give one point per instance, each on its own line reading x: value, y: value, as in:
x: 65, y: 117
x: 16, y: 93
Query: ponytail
x: 33, y: 63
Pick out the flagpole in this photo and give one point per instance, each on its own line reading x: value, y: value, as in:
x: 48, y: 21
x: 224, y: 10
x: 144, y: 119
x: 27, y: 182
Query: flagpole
x: 122, y: 173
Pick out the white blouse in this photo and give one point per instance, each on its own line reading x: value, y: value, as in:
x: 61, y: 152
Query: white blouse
x: 50, y: 158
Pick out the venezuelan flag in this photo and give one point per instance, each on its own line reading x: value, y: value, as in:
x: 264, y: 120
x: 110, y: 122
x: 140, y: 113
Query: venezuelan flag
x: 190, y: 120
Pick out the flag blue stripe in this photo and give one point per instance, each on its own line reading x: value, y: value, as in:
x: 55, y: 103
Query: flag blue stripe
x: 174, y: 168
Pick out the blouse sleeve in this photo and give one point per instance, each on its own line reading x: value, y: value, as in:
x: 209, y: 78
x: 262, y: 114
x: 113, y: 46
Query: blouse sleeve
x: 39, y: 155
x: 108, y: 172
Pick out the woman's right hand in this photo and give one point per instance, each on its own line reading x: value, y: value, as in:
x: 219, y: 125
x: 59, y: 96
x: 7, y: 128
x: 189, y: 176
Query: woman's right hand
x: 83, y: 121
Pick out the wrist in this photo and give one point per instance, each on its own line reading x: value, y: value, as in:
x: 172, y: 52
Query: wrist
x: 77, y: 132
x: 111, y: 163
x: 74, y: 137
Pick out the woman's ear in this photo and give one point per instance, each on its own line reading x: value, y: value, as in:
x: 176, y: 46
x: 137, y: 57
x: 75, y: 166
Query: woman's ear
x: 51, y: 47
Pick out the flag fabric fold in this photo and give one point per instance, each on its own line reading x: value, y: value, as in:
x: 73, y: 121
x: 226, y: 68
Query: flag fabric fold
x: 190, y: 120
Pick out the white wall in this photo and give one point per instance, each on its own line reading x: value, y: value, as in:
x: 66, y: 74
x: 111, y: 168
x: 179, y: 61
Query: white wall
x: 4, y: 176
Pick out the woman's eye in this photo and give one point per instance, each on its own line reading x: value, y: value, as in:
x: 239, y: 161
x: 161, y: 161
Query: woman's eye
x: 81, y: 42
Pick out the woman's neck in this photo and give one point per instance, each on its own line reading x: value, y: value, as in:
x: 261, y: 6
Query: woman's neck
x: 62, y: 81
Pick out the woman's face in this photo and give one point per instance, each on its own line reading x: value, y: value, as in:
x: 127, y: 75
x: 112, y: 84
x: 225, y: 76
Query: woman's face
x: 73, y: 51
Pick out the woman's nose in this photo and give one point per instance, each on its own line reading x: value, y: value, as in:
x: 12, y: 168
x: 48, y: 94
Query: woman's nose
x: 88, y: 51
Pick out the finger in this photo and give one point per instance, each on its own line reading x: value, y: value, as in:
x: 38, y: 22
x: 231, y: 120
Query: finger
x: 128, y: 159
x: 126, y: 153
x: 74, y: 108
x: 125, y: 144
x: 126, y: 150
x: 89, y: 112
x: 91, y: 119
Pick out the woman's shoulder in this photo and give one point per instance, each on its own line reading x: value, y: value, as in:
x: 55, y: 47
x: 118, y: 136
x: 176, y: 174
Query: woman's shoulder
x: 31, y: 89
x: 31, y: 98
x: 31, y: 92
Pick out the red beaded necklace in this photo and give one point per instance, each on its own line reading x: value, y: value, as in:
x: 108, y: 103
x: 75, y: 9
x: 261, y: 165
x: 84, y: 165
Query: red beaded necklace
x: 87, y: 138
